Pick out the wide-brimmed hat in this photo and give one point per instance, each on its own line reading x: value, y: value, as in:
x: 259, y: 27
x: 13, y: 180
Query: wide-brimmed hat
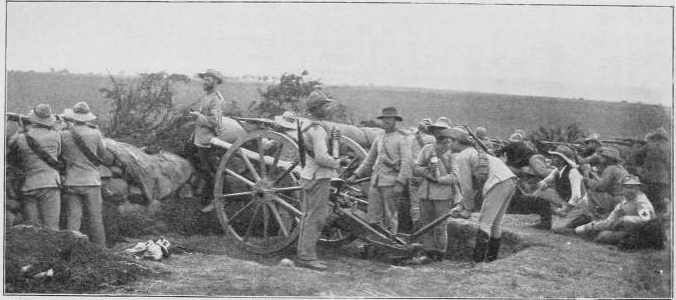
x: 286, y: 120
x: 515, y: 137
x: 593, y: 137
x: 631, y: 179
x: 213, y: 73
x: 459, y: 134
x: 611, y: 152
x: 659, y: 133
x: 425, y: 122
x: 440, y: 123
x: 390, y: 112
x: 80, y: 112
x: 566, y: 153
x: 42, y: 114
x: 446, y: 133
x: 316, y: 99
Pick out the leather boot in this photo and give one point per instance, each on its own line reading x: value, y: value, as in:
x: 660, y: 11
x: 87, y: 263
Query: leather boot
x: 481, y: 246
x: 493, y: 249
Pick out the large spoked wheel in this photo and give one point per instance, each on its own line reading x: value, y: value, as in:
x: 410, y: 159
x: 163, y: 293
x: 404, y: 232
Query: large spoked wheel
x: 257, y: 192
x: 334, y: 234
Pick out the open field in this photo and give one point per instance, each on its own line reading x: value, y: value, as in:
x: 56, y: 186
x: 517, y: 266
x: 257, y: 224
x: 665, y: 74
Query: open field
x: 501, y: 114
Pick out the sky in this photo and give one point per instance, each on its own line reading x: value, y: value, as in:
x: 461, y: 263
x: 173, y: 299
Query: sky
x: 601, y: 53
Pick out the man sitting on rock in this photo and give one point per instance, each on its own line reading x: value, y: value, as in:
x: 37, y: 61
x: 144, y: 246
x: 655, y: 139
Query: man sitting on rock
x: 631, y: 216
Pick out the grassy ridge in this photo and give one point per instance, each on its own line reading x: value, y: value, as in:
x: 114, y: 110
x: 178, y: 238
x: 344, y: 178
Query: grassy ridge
x: 501, y: 114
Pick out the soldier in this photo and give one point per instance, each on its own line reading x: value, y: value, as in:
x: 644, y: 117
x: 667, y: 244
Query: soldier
x: 526, y: 141
x: 38, y: 149
x: 421, y: 138
x: 589, y: 155
x: 315, y: 176
x: 390, y: 160
x: 82, y: 148
x: 656, y: 158
x: 496, y: 183
x: 605, y: 191
x: 480, y: 133
x: 566, y: 185
x: 207, y: 126
x: 634, y: 214
x: 438, y: 188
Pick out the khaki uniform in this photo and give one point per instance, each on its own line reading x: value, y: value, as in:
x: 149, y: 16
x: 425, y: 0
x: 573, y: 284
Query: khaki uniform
x: 627, y: 216
x: 389, y: 159
x: 436, y: 197
x: 656, y: 157
x: 42, y: 198
x: 207, y: 126
x: 82, y: 183
x: 606, y: 193
x: 497, y: 191
x: 315, y: 179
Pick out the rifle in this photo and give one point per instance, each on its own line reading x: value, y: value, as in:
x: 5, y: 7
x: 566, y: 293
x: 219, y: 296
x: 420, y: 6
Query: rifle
x: 478, y: 141
x: 624, y: 141
x: 301, y: 143
x: 571, y: 145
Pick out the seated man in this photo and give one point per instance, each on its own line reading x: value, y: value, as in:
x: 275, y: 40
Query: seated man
x: 568, y: 186
x: 631, y: 215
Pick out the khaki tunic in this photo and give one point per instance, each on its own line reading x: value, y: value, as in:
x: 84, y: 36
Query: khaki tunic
x: 208, y: 122
x: 38, y: 173
x: 80, y: 171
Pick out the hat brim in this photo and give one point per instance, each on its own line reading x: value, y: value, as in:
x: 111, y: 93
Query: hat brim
x: 202, y: 75
x: 563, y: 156
x: 50, y: 121
x: 279, y: 120
x: 70, y: 114
x: 398, y: 118
x: 439, y: 125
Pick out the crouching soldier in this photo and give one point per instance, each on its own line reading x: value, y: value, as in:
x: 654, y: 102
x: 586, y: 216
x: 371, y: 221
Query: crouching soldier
x: 82, y: 148
x: 493, y: 179
x: 38, y: 149
x: 390, y: 160
x: 437, y: 191
x: 634, y: 214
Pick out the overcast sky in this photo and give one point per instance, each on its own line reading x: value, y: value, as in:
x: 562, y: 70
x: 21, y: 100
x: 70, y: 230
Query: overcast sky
x: 604, y: 53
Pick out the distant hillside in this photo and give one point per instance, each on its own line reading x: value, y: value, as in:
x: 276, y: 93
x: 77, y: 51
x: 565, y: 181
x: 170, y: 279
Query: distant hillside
x: 501, y: 114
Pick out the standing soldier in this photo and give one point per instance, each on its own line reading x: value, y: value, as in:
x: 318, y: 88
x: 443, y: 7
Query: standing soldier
x: 411, y: 209
x: 320, y: 167
x: 438, y: 188
x: 38, y: 149
x: 390, y: 160
x: 82, y: 149
x: 207, y: 126
x: 493, y: 179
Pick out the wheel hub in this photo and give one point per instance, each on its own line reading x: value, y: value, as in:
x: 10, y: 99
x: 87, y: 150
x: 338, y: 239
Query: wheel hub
x: 263, y: 190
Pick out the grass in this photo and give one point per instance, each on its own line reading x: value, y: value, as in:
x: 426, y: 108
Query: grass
x: 536, y: 264
x: 501, y: 114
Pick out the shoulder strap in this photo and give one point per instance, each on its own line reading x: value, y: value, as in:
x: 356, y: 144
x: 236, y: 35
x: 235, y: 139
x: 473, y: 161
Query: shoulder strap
x: 311, y: 152
x: 43, y: 155
x: 79, y: 142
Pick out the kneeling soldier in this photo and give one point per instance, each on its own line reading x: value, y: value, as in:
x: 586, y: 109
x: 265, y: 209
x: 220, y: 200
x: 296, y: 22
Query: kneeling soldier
x: 82, y: 149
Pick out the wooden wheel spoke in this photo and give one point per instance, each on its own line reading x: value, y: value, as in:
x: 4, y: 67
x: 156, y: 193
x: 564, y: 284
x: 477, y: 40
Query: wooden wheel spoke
x: 266, y: 218
x: 288, y: 189
x: 249, y: 229
x: 278, y: 153
x: 234, y: 195
x: 240, y: 211
x: 278, y: 217
x: 286, y: 172
x: 261, y: 154
x: 240, y: 177
x: 287, y: 205
x: 249, y: 165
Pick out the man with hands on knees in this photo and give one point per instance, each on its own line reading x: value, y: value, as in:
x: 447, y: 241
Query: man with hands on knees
x: 389, y: 159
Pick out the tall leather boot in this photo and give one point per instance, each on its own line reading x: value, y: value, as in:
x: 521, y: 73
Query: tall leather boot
x: 493, y: 249
x: 481, y: 246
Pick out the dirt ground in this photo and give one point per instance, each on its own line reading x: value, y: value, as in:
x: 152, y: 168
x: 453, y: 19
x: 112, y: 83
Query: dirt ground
x: 537, y: 264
